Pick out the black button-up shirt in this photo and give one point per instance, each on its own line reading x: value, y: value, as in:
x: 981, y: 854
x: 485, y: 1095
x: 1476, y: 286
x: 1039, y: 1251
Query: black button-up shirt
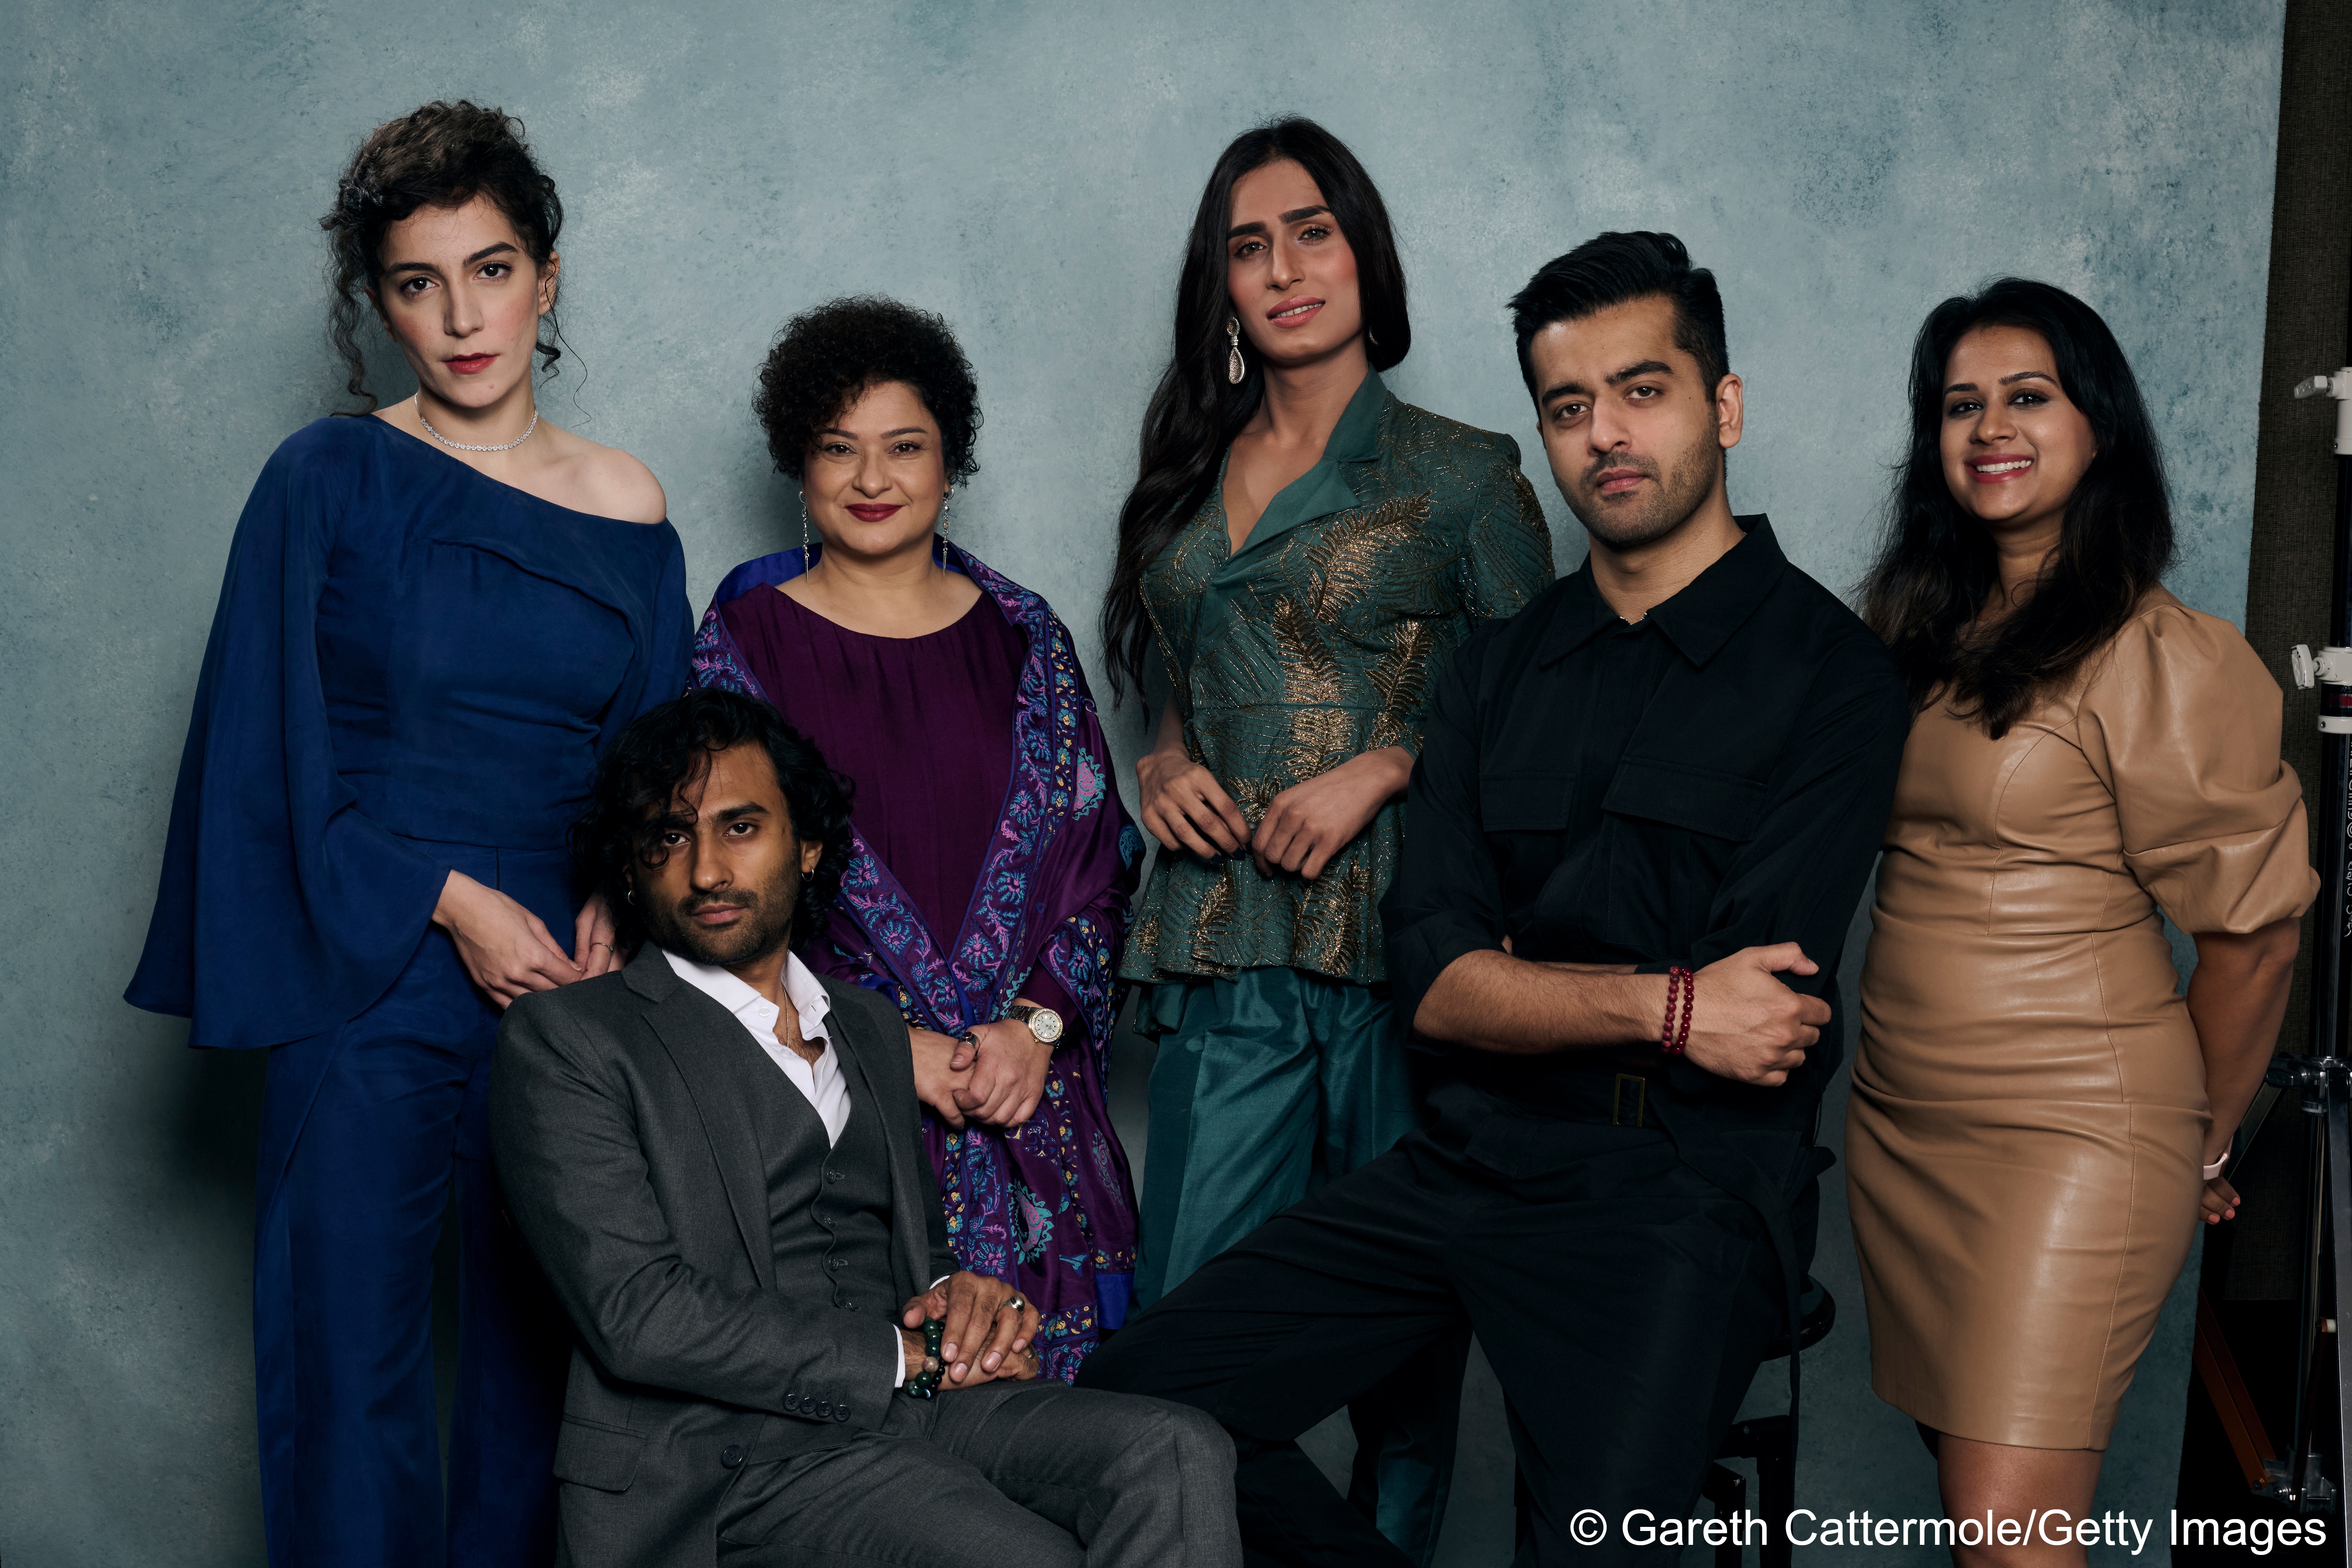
x: 1713, y: 777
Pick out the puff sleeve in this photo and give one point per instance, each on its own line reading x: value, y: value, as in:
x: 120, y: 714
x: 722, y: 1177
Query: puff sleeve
x: 2181, y: 722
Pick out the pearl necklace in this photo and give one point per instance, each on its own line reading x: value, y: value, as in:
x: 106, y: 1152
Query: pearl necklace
x: 465, y: 447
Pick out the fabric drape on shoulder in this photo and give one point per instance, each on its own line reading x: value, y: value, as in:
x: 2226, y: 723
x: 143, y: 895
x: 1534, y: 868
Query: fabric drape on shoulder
x: 1053, y: 891
x: 2181, y: 722
x: 289, y: 897
x: 283, y: 911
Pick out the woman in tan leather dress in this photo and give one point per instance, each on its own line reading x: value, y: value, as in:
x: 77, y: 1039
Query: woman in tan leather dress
x: 2037, y: 1116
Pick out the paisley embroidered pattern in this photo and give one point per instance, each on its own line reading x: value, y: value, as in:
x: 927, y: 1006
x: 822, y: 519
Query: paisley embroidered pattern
x: 1013, y: 1201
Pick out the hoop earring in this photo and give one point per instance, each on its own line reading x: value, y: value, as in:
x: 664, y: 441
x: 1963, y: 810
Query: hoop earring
x: 1233, y: 370
x: 629, y: 895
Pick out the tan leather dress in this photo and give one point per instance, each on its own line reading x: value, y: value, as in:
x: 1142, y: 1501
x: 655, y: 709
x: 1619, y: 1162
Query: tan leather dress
x: 2029, y: 1106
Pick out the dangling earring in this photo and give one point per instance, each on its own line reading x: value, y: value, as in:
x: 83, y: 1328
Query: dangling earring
x: 942, y: 524
x: 1234, y: 349
x: 804, y: 531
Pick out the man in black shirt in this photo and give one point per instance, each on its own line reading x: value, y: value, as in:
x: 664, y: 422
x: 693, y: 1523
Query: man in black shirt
x: 1642, y: 815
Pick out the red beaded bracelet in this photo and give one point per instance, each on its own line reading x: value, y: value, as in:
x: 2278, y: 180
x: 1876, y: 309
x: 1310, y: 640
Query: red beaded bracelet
x: 1681, y: 986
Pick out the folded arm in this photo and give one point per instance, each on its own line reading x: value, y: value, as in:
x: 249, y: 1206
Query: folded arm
x: 1787, y: 893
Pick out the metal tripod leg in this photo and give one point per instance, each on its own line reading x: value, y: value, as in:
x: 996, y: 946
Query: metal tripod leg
x: 2340, y: 1216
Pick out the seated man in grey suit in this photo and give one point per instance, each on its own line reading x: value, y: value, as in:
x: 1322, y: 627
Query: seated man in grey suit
x: 714, y: 1155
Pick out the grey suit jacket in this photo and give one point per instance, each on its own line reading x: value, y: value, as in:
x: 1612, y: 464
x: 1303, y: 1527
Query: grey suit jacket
x: 620, y: 1124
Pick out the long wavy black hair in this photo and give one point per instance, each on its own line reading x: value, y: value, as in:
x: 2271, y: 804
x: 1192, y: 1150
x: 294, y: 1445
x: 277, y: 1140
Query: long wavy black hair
x: 667, y: 747
x: 442, y: 155
x: 1196, y: 412
x: 1936, y: 564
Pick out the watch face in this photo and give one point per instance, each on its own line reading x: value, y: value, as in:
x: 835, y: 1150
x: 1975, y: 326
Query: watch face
x: 1045, y: 1024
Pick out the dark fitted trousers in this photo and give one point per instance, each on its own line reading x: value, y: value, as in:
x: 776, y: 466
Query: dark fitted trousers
x: 1007, y: 1474
x: 365, y: 1131
x: 1624, y: 1301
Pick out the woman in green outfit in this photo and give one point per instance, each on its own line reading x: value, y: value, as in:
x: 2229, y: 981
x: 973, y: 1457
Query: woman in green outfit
x: 1305, y: 551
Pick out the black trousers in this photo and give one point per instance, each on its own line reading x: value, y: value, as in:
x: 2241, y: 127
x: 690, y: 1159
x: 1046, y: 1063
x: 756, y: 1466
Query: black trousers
x: 1624, y: 1301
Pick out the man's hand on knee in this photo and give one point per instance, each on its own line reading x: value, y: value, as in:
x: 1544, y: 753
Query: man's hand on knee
x: 1746, y: 1024
x: 989, y: 1328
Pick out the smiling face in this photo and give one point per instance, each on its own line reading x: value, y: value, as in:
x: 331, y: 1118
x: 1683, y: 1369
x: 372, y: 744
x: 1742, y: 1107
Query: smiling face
x: 462, y: 297
x: 1635, y: 434
x: 718, y: 878
x: 1288, y: 270
x: 876, y: 476
x: 2014, y: 445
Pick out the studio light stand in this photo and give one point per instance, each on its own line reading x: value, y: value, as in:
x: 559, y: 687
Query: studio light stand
x: 2324, y: 1077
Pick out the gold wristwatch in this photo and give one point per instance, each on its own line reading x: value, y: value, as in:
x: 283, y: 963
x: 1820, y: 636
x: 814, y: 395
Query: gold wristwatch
x: 1043, y: 1022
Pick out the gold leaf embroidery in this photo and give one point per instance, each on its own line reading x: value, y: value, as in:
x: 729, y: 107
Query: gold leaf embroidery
x: 1356, y: 555
x: 1309, y: 673
x: 1401, y: 675
x: 1216, y: 914
x: 1253, y: 794
x: 1320, y: 738
x: 1334, y: 636
x: 1329, y: 935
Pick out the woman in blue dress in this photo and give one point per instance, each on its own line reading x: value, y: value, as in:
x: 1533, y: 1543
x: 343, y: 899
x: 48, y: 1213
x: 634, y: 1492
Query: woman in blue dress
x: 436, y: 615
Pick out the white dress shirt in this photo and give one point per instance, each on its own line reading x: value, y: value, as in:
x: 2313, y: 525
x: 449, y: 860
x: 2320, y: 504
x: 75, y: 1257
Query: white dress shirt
x: 820, y: 1082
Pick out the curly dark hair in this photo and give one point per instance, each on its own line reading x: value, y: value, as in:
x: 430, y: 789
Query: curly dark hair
x: 1936, y: 564
x: 825, y: 357
x: 665, y: 748
x: 443, y: 155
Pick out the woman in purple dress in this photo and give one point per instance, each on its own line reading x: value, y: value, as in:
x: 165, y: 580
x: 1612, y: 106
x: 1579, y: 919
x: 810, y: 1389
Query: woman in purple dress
x: 993, y: 861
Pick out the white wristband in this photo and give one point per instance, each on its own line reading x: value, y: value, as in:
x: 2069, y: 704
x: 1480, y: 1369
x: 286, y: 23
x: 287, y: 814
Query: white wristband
x: 2214, y: 1169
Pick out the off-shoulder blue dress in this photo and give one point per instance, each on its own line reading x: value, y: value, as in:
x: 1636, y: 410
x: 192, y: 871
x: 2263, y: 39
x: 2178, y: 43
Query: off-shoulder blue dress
x: 412, y: 668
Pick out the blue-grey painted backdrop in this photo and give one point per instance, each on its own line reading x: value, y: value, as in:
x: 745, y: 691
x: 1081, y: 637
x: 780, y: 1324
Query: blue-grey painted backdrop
x: 1028, y: 170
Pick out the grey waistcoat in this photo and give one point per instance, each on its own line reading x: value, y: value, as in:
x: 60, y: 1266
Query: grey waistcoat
x: 828, y: 1209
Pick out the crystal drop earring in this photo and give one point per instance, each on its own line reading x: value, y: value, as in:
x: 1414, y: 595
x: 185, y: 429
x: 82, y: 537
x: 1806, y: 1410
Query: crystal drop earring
x: 1234, y: 349
x: 804, y: 531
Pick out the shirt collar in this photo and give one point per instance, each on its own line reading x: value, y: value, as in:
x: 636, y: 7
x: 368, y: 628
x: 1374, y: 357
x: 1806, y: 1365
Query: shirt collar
x: 1356, y: 438
x: 1323, y: 489
x: 803, y: 989
x: 1698, y: 620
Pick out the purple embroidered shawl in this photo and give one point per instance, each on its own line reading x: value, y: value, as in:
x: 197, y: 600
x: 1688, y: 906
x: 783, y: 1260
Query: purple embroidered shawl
x: 1052, y: 894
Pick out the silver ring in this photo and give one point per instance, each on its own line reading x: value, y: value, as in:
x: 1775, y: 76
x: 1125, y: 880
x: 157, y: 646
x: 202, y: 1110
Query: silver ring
x: 1016, y: 1302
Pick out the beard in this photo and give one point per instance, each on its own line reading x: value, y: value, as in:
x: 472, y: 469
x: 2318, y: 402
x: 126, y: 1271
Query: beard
x: 1680, y: 491
x: 767, y: 925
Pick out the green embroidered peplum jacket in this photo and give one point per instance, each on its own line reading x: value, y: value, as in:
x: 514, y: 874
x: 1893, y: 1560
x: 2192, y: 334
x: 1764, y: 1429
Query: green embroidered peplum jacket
x: 1318, y: 642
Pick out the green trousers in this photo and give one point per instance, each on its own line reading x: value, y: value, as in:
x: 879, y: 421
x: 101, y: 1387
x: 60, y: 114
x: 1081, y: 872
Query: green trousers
x: 1268, y: 1085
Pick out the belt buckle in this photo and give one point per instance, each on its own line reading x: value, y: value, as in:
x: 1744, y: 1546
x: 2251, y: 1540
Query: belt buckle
x: 1617, y: 1117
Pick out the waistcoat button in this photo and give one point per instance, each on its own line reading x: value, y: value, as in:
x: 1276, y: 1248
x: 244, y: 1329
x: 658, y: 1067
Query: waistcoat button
x: 731, y: 1455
